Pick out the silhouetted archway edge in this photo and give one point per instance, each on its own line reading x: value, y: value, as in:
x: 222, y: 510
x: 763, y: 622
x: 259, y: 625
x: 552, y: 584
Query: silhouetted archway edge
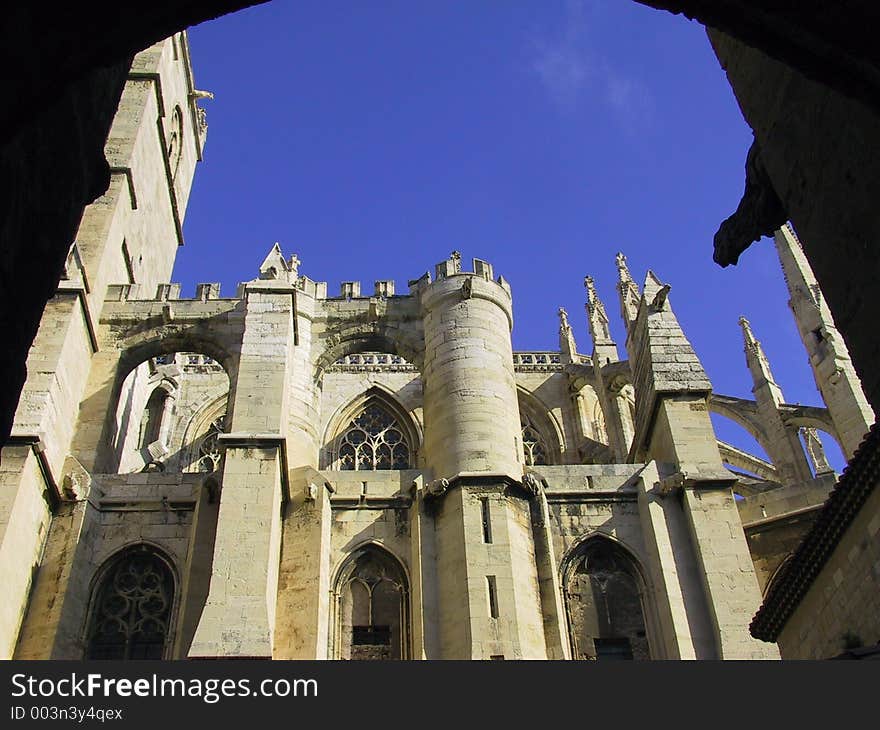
x: 833, y: 47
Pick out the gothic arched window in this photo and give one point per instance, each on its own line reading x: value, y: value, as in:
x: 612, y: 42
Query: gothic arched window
x: 604, y: 605
x: 373, y: 440
x: 372, y: 607
x: 534, y: 448
x: 131, y: 609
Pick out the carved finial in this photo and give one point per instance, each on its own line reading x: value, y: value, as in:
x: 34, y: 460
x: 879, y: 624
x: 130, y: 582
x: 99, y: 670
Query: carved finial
x: 627, y: 290
x: 599, y: 328
x: 563, y: 319
x: 748, y: 335
x: 294, y: 266
x: 456, y: 261
x: 274, y: 266
x: 623, y: 274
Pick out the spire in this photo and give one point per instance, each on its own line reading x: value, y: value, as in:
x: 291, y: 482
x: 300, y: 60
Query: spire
x: 604, y: 349
x: 628, y: 292
x: 758, y: 364
x: 274, y: 266
x: 666, y: 374
x: 833, y: 370
x: 799, y: 278
x: 567, y: 345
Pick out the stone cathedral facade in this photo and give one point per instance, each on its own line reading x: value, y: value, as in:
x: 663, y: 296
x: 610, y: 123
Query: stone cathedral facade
x: 298, y: 472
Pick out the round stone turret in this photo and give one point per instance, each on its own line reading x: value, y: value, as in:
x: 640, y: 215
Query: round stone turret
x: 470, y: 405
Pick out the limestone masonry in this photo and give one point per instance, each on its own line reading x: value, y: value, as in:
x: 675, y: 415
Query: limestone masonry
x: 297, y: 472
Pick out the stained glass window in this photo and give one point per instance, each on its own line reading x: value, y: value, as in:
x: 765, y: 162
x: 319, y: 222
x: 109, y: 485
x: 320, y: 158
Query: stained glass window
x: 373, y: 440
x: 132, y: 609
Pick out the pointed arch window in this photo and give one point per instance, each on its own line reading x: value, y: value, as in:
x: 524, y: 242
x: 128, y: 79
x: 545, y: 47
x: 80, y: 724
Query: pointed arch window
x: 604, y: 604
x: 131, y: 609
x: 534, y: 447
x: 374, y: 440
x: 372, y: 607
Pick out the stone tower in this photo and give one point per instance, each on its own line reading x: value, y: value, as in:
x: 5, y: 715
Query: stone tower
x: 487, y: 579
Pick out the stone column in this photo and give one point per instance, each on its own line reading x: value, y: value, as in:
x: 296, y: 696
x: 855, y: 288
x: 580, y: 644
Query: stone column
x: 239, y: 615
x: 487, y: 579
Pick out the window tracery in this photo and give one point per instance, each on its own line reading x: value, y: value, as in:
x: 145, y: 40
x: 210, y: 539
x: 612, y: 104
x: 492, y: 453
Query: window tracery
x: 373, y: 623
x: 534, y: 448
x: 373, y: 440
x: 132, y: 609
x: 209, y: 447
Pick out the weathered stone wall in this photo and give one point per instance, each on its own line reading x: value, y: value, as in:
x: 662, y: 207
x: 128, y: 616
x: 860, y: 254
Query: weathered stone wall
x: 24, y: 522
x: 842, y: 607
x: 123, y: 510
x: 776, y: 522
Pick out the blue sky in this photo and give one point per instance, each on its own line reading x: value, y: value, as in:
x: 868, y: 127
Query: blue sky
x: 372, y: 138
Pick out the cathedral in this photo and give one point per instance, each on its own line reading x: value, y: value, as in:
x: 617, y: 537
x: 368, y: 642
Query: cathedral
x: 309, y: 472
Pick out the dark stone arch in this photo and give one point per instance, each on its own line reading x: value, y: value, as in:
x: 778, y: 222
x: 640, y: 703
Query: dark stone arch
x: 371, y: 606
x: 368, y: 337
x: 742, y: 412
x: 777, y: 574
x: 110, y: 447
x: 132, y: 607
x: 604, y: 601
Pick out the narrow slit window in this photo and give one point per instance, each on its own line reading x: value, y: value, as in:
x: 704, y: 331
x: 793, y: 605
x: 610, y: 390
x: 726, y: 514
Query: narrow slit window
x: 487, y: 520
x: 493, y: 596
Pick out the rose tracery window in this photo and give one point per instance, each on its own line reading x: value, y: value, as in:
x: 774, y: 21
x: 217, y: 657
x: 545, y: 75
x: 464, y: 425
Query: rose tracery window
x: 373, y: 440
x: 534, y: 449
x: 132, y: 609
